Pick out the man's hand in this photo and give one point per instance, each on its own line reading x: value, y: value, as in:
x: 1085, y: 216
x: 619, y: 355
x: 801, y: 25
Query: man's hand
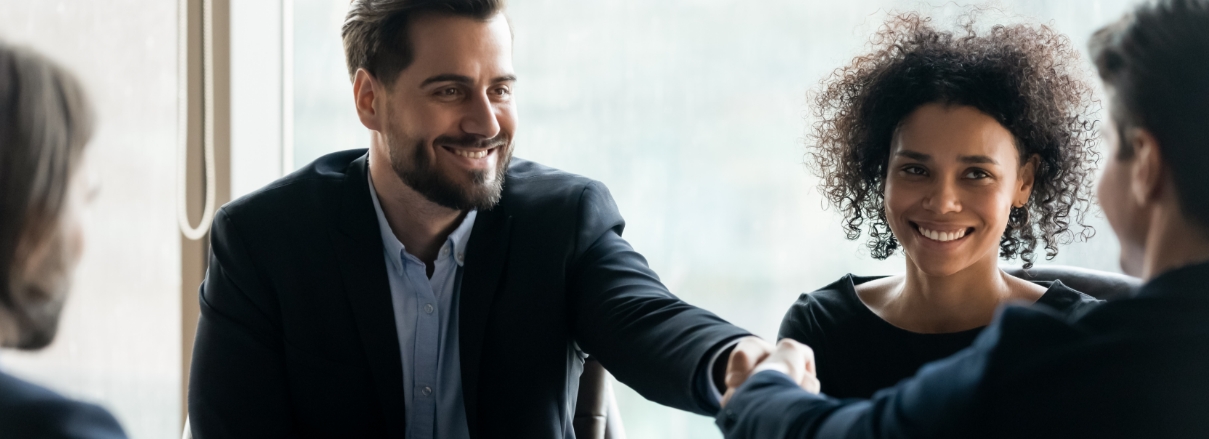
x: 743, y: 359
x: 752, y: 355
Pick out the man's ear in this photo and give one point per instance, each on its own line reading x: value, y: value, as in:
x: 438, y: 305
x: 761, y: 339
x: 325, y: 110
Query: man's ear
x: 367, y: 92
x: 1149, y: 171
x: 1028, y: 175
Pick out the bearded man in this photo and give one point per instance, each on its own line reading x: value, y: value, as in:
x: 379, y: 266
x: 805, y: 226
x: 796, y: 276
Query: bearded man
x: 434, y: 286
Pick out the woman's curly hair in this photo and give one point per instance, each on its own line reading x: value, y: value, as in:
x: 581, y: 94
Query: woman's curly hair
x: 1026, y: 77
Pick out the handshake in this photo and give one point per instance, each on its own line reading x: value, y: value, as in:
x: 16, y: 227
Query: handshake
x: 754, y: 355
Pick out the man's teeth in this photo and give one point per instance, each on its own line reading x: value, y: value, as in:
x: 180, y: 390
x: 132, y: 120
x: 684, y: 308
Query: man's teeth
x: 471, y: 154
x: 942, y: 236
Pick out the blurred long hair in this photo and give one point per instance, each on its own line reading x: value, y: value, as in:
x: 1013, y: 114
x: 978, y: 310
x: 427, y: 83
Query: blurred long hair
x: 45, y: 122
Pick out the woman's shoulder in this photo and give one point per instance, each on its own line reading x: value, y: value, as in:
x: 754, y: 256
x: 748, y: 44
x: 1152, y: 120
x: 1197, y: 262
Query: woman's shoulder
x: 1066, y: 299
x: 827, y: 306
x: 35, y: 411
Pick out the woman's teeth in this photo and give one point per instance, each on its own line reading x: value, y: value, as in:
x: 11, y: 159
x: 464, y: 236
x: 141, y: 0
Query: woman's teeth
x: 471, y: 154
x: 942, y: 236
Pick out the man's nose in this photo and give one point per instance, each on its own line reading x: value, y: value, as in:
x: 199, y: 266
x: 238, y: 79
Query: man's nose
x: 481, y: 118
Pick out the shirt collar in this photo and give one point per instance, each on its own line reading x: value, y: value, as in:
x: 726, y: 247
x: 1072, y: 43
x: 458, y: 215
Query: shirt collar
x: 395, y: 250
x: 461, y: 236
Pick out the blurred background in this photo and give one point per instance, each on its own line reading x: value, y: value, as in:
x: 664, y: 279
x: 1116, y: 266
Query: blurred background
x: 693, y: 112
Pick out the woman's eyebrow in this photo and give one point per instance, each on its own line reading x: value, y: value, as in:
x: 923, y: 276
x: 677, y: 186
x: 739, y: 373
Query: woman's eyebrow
x: 977, y: 159
x: 915, y: 155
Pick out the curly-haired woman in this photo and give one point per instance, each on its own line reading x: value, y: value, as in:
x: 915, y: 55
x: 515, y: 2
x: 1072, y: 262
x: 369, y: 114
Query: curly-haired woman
x: 959, y: 148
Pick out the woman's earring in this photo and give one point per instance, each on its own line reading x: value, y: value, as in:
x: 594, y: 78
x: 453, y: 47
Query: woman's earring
x: 1018, y: 217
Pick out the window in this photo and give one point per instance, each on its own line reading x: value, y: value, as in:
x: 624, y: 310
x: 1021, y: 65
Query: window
x: 692, y: 113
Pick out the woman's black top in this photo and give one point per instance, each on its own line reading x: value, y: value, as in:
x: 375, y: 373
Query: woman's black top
x: 857, y: 353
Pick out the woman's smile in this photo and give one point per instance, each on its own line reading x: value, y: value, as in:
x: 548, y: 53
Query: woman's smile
x: 942, y: 233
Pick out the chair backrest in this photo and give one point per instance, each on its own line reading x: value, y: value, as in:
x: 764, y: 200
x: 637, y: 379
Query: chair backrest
x: 1099, y: 284
x: 596, y: 415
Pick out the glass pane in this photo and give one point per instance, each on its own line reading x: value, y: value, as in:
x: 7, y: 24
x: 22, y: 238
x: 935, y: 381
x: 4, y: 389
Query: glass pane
x: 119, y: 339
x: 324, y: 120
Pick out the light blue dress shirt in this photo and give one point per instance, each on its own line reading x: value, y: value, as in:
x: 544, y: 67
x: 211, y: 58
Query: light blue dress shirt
x: 426, y: 317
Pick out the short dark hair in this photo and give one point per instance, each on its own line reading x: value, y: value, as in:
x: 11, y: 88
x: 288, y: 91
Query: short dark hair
x: 1025, y: 77
x: 45, y: 122
x: 375, y: 32
x: 1155, y: 61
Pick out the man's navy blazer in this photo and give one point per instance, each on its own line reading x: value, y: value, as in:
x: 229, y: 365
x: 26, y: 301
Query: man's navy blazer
x: 297, y: 333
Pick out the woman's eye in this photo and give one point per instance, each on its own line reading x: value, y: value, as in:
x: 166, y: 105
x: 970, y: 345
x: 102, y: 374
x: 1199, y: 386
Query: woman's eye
x: 976, y: 174
x: 915, y: 170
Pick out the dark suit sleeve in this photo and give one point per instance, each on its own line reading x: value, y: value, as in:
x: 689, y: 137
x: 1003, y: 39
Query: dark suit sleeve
x: 30, y: 411
x: 940, y: 401
x: 649, y: 339
x: 237, y: 385
x: 80, y: 421
x: 66, y: 420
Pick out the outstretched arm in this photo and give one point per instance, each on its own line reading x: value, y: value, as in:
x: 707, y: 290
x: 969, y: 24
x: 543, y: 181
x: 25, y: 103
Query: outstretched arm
x: 937, y: 402
x: 624, y: 316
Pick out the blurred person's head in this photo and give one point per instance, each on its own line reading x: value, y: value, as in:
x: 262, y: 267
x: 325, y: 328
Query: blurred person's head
x: 959, y: 147
x: 45, y: 122
x: 1155, y: 66
x: 433, y: 80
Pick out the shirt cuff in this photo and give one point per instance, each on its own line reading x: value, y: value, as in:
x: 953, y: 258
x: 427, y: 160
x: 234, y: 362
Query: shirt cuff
x: 711, y: 390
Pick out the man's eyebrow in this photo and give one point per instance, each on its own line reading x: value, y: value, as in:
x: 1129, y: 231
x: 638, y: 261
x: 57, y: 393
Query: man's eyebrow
x: 977, y: 159
x: 447, y: 77
x: 915, y: 155
x: 462, y: 79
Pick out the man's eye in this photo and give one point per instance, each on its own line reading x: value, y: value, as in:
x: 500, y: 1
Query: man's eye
x: 448, y: 92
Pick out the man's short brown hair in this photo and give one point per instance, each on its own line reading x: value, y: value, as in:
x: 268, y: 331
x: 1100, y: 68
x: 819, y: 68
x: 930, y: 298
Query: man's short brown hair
x: 375, y: 31
x: 1156, y: 62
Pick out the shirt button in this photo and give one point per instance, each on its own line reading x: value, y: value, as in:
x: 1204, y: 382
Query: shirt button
x: 427, y: 390
x: 428, y: 308
x: 461, y: 256
x: 444, y: 250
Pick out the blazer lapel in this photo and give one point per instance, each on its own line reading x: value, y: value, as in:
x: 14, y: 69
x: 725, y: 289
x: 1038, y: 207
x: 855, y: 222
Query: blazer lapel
x: 363, y: 269
x: 486, y: 255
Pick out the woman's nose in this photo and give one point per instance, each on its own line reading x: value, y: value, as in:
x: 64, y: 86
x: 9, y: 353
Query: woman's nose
x: 943, y: 198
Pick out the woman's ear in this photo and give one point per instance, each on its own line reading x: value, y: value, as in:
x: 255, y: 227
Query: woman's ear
x: 1026, y: 177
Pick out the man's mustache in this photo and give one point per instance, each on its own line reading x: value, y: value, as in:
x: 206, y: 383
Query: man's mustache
x: 471, y: 141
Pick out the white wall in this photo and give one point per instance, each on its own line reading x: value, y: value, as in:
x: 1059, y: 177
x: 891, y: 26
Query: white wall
x: 256, y: 112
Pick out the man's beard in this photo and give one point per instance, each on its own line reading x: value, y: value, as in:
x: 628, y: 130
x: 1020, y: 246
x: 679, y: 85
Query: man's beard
x: 419, y: 172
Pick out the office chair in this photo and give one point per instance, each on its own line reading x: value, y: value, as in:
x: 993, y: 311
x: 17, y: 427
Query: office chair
x: 1099, y: 284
